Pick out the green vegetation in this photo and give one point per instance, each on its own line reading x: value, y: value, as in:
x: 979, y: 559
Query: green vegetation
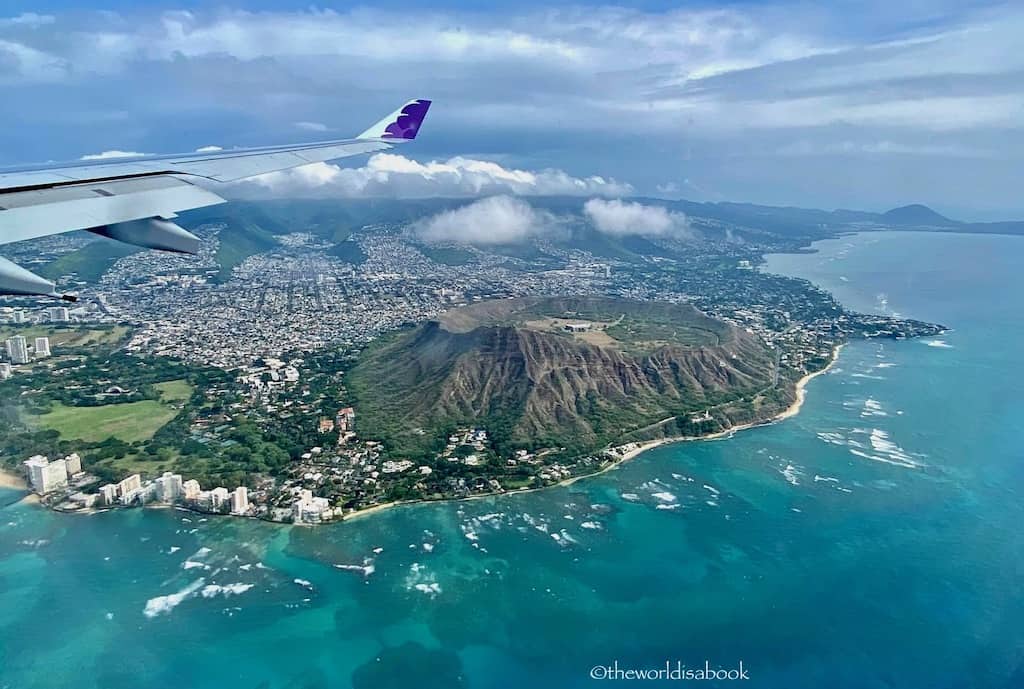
x: 447, y: 255
x: 174, y: 391
x: 130, y: 422
x: 507, y: 366
x: 238, y: 242
x: 90, y: 262
x: 68, y: 336
x: 349, y: 251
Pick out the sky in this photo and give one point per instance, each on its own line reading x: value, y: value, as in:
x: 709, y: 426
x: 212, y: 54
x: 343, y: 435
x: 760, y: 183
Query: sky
x: 865, y: 105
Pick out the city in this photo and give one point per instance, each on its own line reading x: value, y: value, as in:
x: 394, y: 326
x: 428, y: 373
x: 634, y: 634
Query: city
x: 276, y: 338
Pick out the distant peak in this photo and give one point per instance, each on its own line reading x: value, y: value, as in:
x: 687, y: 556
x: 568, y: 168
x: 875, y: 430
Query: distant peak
x: 916, y: 214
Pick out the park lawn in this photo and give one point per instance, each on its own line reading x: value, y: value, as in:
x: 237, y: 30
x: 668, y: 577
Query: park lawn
x: 130, y: 422
x: 68, y: 337
x: 174, y: 391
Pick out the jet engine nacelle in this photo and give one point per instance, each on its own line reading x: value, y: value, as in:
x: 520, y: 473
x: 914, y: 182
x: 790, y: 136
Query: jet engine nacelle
x: 16, y: 280
x: 152, y: 233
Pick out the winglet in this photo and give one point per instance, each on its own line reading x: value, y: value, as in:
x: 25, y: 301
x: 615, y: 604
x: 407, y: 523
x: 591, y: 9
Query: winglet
x: 402, y: 124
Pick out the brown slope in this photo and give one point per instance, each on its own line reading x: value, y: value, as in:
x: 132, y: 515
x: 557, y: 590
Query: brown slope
x: 540, y: 388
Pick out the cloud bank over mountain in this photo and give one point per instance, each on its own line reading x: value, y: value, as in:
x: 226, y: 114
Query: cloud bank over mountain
x: 493, y: 220
x: 622, y: 218
x: 395, y: 176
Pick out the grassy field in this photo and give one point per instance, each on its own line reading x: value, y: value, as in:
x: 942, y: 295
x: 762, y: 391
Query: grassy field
x: 174, y: 391
x: 68, y: 337
x: 130, y: 422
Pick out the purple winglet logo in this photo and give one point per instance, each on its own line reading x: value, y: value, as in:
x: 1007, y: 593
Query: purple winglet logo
x: 408, y: 121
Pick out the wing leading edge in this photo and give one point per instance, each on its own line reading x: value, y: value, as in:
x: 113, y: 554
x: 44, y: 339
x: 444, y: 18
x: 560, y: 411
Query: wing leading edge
x: 133, y: 200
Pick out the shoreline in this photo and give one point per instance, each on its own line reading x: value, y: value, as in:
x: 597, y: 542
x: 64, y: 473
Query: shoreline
x: 12, y: 481
x: 640, y: 448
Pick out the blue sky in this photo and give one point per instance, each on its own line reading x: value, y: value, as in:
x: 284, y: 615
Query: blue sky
x: 845, y: 104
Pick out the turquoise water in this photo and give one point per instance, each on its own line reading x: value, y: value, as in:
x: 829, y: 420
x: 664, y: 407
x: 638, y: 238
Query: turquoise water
x: 875, y: 540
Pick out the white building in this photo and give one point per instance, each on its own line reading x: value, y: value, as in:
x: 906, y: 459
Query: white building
x: 240, y: 500
x: 42, y: 346
x: 46, y: 476
x: 108, y: 493
x: 169, y: 487
x: 18, y: 317
x: 17, y: 350
x: 309, y: 509
x: 73, y: 463
x: 133, y: 482
x: 191, y: 489
x: 5, y: 371
x: 60, y: 314
x: 219, y: 497
x: 129, y: 489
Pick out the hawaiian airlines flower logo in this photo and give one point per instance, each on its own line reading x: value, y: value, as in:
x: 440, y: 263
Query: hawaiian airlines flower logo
x: 408, y: 122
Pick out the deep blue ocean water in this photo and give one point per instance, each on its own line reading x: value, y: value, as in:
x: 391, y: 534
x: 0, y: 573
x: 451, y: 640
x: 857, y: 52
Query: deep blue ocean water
x: 875, y: 540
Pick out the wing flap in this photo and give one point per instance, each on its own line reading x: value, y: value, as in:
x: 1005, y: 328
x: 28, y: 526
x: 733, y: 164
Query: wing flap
x: 42, y: 212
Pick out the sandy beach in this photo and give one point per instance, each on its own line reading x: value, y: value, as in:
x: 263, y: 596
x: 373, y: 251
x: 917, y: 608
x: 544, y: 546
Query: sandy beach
x: 12, y: 481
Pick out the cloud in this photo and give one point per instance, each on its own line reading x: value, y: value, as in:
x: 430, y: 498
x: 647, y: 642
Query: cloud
x: 395, y: 176
x: 621, y: 218
x: 312, y: 126
x: 646, y: 95
x: 107, y: 155
x: 208, y: 149
x: 493, y: 220
x: 27, y: 19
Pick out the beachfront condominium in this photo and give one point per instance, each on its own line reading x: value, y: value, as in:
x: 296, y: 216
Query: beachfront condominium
x: 240, y: 500
x: 17, y: 350
x: 190, y: 490
x: 169, y: 487
x: 219, y: 497
x: 46, y: 476
x: 129, y: 489
x: 73, y: 463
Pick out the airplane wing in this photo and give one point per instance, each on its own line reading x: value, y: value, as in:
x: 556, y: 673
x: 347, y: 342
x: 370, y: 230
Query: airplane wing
x: 134, y: 200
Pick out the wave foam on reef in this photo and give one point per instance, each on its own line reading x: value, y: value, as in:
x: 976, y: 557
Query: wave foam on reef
x: 941, y: 344
x: 873, y: 407
x: 885, y: 450
x: 420, y: 579
x: 161, y: 605
x: 366, y: 569
x: 225, y: 590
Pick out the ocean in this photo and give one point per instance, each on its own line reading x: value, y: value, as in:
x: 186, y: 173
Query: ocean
x: 874, y: 540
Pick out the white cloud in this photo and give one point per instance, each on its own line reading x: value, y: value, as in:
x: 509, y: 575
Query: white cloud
x: 208, y: 149
x: 27, y: 19
x: 493, y: 220
x: 312, y: 126
x: 107, y: 155
x: 395, y: 176
x: 649, y: 94
x: 20, y: 62
x: 622, y: 218
x: 805, y: 147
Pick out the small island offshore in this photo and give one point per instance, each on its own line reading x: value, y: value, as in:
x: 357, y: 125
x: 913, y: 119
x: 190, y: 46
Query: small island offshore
x: 495, y: 396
